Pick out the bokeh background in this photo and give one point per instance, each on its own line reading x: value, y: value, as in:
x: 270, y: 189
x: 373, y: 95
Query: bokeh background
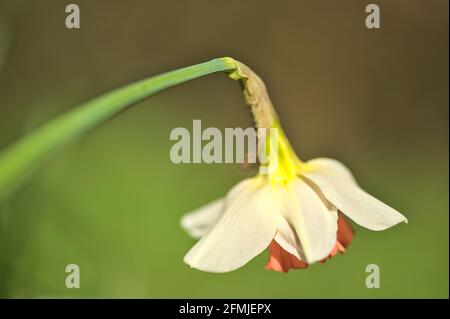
x: 111, y: 201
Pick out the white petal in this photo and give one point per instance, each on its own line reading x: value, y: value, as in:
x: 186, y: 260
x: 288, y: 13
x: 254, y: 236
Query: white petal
x: 314, y: 223
x: 339, y: 187
x: 246, y: 228
x: 333, y: 168
x: 288, y: 240
x: 198, y: 222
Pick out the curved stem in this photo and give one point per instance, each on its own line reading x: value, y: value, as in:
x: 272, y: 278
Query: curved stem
x: 21, y: 157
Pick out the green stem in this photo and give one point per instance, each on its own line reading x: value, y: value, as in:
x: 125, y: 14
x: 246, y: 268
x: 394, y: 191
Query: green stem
x: 18, y: 160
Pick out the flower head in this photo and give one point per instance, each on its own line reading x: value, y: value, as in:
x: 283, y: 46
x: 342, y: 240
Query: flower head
x: 296, y: 210
x: 300, y: 220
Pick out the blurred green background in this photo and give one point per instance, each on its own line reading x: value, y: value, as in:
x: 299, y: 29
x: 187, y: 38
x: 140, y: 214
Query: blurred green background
x: 111, y: 202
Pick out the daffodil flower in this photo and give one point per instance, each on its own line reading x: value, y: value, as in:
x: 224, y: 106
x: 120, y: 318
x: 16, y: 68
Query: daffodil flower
x: 296, y: 210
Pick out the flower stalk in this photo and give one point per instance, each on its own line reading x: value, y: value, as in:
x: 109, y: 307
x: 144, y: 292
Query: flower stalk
x: 257, y: 98
x: 19, y: 159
